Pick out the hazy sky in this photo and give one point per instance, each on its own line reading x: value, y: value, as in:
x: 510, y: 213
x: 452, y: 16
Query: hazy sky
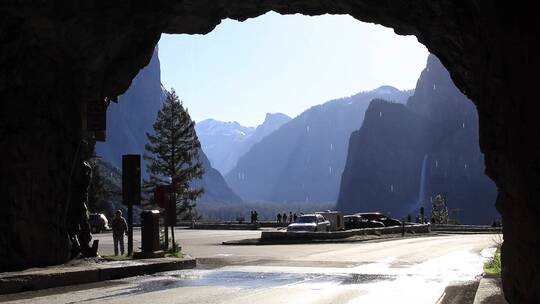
x: 274, y: 63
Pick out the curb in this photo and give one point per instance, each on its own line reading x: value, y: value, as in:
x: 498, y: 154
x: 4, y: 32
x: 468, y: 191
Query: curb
x: 31, y: 282
x: 489, y: 291
x: 353, y: 239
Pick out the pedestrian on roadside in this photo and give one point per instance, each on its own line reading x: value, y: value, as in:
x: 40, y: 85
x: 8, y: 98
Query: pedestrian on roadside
x: 252, y: 216
x: 295, y: 217
x: 284, y: 217
x: 119, y: 228
x: 255, y: 216
x: 279, y: 217
x: 290, y: 217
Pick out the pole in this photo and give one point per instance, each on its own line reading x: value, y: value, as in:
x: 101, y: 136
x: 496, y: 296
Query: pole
x: 130, y: 229
x: 166, y: 232
x: 131, y: 190
x: 172, y: 236
x: 172, y: 209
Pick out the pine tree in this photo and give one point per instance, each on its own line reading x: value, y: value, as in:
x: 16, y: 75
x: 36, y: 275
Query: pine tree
x: 439, y: 212
x: 173, y: 154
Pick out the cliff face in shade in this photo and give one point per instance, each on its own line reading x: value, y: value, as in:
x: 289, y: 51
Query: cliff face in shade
x: 385, y: 157
x: 303, y: 160
x: 133, y: 116
x: 57, y: 57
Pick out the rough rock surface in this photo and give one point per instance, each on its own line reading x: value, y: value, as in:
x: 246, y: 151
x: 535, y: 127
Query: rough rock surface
x: 57, y: 56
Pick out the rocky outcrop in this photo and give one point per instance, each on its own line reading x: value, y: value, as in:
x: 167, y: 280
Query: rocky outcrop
x: 57, y: 57
x: 303, y: 160
x: 435, y: 135
x: 382, y: 172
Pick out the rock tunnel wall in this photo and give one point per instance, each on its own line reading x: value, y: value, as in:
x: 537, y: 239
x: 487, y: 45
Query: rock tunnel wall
x: 58, y: 56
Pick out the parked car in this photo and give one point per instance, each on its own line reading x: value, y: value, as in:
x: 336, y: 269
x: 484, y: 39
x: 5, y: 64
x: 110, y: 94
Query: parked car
x: 358, y: 222
x: 98, y: 222
x: 335, y: 218
x: 379, y: 217
x: 311, y: 223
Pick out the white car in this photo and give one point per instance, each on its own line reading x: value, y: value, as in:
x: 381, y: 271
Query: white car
x: 310, y: 223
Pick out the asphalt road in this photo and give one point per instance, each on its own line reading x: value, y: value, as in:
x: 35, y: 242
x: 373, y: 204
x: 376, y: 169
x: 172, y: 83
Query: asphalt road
x: 411, y: 270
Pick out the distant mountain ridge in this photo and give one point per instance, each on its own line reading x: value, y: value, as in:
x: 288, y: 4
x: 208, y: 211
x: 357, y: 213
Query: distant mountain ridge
x: 226, y: 142
x: 133, y: 116
x: 302, y: 161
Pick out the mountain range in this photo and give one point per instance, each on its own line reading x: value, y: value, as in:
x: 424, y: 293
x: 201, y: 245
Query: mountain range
x: 302, y: 161
x: 225, y: 142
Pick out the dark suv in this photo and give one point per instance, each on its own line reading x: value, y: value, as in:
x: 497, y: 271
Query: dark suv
x: 358, y: 222
x: 98, y: 222
x: 379, y: 217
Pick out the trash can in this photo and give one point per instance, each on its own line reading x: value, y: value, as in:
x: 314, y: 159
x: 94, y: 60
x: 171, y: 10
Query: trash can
x: 149, y: 231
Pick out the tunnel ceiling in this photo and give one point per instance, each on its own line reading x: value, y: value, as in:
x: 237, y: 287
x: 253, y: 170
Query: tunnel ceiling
x: 112, y: 40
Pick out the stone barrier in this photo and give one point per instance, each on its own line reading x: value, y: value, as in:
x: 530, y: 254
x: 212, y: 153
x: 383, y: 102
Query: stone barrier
x: 280, y: 235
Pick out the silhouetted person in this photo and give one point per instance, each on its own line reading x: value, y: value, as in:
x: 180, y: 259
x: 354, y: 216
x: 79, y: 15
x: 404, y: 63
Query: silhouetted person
x: 295, y: 217
x: 255, y: 216
x: 119, y: 228
x: 279, y: 217
x: 409, y: 219
x: 285, y: 217
x: 252, y: 216
x: 290, y: 217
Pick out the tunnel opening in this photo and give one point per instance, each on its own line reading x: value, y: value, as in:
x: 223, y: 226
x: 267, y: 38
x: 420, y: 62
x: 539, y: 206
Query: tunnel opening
x: 219, y: 75
x: 488, y: 49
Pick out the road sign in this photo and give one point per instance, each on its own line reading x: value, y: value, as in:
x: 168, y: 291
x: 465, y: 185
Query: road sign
x: 131, y: 179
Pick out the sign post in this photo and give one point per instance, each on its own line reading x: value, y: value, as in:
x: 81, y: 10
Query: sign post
x: 131, y: 190
x: 165, y: 197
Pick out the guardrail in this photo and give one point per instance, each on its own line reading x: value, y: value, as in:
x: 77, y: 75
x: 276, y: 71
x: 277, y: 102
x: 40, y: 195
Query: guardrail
x: 220, y: 226
x: 466, y: 228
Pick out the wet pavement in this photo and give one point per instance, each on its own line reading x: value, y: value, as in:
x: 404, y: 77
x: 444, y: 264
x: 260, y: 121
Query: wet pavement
x: 407, y: 271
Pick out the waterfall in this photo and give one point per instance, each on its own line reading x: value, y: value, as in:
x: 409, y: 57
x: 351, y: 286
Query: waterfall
x: 421, y: 190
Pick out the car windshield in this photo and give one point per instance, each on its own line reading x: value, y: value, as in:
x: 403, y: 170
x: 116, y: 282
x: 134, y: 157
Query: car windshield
x: 307, y: 219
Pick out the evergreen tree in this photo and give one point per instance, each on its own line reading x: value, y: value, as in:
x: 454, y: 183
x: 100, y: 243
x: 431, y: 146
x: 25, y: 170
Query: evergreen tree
x: 173, y: 154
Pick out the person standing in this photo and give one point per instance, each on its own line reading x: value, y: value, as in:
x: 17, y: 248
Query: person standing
x: 290, y: 217
x: 279, y: 217
x: 119, y: 228
x: 284, y: 217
